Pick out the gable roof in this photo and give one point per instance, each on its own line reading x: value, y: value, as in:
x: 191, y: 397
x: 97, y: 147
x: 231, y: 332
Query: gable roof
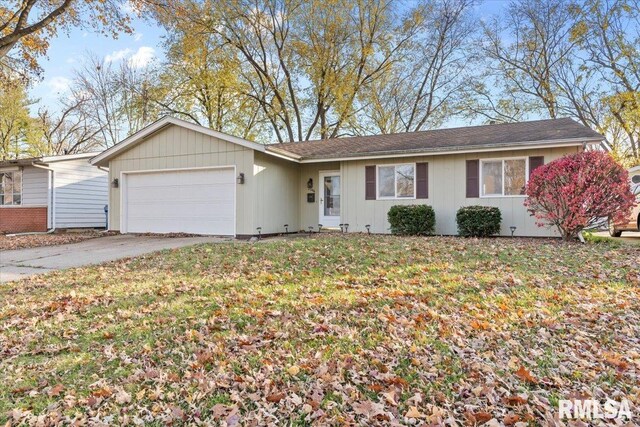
x: 505, y: 135
x: 554, y: 132
x: 103, y: 158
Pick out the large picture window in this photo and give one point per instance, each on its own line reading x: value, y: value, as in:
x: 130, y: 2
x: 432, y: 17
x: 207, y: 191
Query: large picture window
x: 10, y: 188
x: 503, y: 177
x: 397, y: 181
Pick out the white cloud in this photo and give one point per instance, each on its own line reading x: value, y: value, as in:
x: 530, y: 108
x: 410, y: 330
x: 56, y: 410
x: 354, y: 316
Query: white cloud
x: 137, y: 37
x: 58, y: 84
x: 142, y: 57
x: 118, y: 55
x: 138, y: 59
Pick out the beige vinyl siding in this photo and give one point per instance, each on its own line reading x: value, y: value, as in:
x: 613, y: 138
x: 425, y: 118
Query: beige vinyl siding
x: 276, y: 194
x: 310, y: 212
x: 176, y: 147
x: 447, y: 193
x: 35, y: 186
x: 81, y: 192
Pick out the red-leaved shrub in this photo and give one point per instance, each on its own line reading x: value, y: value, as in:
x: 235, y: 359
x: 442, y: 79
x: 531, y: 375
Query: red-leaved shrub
x: 574, y: 192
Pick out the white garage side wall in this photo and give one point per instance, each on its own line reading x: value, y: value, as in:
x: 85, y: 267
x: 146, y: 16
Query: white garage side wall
x: 35, y: 186
x: 81, y: 192
x: 176, y: 147
x: 447, y: 193
x: 276, y: 194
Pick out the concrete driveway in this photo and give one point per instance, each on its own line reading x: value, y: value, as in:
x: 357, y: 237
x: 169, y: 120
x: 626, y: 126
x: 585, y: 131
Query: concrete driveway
x: 20, y: 263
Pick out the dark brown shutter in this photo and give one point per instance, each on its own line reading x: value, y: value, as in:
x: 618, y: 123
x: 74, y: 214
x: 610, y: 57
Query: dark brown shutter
x: 473, y: 178
x: 422, y: 180
x: 370, y: 182
x: 535, y: 162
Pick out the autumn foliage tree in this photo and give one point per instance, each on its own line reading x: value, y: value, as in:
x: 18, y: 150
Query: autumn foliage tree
x: 27, y: 26
x: 577, y: 191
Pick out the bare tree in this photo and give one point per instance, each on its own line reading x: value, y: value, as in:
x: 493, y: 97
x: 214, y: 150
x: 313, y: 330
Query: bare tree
x: 115, y: 101
x: 422, y: 87
x: 69, y: 131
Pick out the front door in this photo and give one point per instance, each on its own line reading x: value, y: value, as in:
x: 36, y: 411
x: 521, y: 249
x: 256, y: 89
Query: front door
x: 330, y: 199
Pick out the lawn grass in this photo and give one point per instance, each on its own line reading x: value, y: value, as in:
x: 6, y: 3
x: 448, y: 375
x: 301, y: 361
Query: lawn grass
x: 330, y: 330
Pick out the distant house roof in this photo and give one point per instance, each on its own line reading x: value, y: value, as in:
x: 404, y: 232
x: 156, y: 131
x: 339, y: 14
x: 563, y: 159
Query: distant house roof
x: 522, y: 134
x: 46, y: 159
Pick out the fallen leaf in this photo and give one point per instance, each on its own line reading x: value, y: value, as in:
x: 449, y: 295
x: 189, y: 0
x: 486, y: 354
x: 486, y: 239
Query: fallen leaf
x: 525, y: 375
x: 413, y: 413
x: 391, y: 397
x: 294, y: 370
x: 56, y: 390
x: 123, y: 397
x: 275, y: 397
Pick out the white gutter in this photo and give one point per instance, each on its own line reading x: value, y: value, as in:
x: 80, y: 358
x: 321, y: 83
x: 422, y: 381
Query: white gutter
x: 53, y: 195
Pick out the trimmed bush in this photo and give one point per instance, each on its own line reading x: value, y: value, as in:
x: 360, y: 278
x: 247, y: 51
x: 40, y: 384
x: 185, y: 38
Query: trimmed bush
x: 414, y: 220
x: 478, y: 221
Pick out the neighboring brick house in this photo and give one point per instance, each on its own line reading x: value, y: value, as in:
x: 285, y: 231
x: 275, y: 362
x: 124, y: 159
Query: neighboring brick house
x: 44, y: 193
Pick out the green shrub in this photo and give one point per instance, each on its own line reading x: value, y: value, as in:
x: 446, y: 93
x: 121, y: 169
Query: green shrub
x: 412, y: 220
x: 478, y: 221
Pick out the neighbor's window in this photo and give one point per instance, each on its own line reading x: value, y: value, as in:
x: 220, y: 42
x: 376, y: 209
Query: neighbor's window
x: 397, y: 181
x: 10, y: 188
x: 505, y: 177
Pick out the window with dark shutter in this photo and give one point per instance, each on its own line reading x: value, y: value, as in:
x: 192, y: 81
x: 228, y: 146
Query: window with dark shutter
x: 473, y: 178
x: 535, y: 162
x: 422, y: 180
x: 370, y: 183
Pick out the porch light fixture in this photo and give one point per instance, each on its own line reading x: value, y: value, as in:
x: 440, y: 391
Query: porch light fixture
x: 368, y: 226
x: 310, y: 184
x: 115, y: 183
x: 513, y: 229
x: 240, y: 178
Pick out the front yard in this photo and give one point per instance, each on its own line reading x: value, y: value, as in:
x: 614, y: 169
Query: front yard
x: 331, y: 330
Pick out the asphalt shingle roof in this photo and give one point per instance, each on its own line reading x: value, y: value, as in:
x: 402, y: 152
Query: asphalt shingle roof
x: 495, y: 135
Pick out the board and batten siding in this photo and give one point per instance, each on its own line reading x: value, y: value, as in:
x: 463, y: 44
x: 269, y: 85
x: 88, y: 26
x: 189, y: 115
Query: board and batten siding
x: 81, y: 193
x: 35, y: 186
x: 175, y: 147
x: 447, y: 193
x: 276, y: 194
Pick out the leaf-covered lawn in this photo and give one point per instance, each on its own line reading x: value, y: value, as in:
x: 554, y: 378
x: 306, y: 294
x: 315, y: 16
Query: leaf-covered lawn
x: 331, y: 330
x: 25, y: 241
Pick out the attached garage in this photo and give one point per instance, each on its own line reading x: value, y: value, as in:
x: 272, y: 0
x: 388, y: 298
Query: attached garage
x: 197, y: 200
x: 178, y: 177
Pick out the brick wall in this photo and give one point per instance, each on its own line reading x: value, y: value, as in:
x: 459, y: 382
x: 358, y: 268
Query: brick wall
x: 23, y: 219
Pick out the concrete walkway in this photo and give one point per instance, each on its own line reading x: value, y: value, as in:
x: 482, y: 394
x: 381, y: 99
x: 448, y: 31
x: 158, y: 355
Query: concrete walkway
x: 21, y: 263
x: 627, y: 237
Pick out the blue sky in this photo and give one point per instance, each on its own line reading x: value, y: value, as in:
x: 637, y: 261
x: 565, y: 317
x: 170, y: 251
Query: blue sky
x: 66, y: 52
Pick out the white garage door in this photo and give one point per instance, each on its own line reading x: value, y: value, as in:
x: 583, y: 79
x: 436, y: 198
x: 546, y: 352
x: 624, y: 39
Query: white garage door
x: 198, y: 201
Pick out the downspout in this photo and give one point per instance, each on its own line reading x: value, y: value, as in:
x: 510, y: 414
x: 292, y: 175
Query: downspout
x: 106, y: 207
x: 53, y: 195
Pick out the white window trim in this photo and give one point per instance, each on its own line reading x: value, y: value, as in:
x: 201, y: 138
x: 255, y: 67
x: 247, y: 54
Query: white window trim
x: 395, y: 182
x: 502, y: 159
x: 14, y: 170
